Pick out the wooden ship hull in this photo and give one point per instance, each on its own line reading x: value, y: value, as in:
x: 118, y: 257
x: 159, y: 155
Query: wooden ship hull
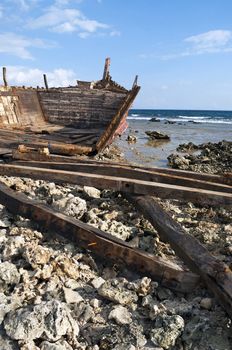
x: 81, y: 119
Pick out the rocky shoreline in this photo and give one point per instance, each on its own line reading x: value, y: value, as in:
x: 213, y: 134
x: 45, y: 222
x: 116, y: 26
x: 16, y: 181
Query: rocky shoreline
x: 57, y: 296
x: 213, y: 158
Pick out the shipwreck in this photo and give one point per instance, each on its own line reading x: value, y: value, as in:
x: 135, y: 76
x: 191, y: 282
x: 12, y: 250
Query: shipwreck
x: 42, y: 130
x: 80, y: 119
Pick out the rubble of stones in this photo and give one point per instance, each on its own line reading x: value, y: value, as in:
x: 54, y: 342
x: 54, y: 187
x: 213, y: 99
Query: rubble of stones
x: 57, y: 296
x: 213, y: 158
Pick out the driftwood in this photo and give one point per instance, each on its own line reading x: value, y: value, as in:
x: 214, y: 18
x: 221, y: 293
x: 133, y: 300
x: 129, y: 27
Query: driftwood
x: 216, y: 275
x: 101, y: 243
x: 161, y: 190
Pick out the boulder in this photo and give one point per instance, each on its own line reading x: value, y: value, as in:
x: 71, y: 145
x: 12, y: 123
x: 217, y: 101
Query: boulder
x: 157, y: 135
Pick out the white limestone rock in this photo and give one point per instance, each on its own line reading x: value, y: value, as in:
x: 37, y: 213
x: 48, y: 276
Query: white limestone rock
x: 72, y: 206
x: 167, y: 330
x: 118, y: 294
x: 120, y: 315
x: 92, y: 192
x: 51, y: 319
x: 8, y: 274
x: 97, y: 282
x: 71, y: 296
x: 60, y: 345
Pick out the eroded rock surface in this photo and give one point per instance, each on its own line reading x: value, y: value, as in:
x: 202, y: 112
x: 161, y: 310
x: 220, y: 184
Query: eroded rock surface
x: 50, y: 319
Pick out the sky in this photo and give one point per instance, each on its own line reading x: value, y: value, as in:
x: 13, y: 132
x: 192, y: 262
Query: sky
x: 180, y: 49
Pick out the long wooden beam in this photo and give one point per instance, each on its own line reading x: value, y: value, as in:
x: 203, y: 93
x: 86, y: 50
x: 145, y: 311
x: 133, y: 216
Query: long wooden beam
x: 35, y: 156
x: 216, y: 275
x: 161, y: 190
x: 101, y: 243
x: 138, y: 174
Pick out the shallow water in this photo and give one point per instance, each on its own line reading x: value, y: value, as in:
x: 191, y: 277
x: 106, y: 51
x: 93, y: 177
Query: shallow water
x: 155, y: 153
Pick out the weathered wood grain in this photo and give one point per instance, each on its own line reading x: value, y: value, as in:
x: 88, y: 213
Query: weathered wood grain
x: 127, y: 172
x: 162, y: 190
x: 216, y: 275
x: 101, y: 243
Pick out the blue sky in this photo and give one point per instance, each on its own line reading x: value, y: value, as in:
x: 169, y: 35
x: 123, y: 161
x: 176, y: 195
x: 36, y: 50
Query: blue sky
x: 181, y: 49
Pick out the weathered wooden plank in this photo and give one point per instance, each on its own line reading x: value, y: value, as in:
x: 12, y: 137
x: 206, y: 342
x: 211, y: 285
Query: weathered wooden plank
x: 139, y: 174
x: 217, y: 179
x: 216, y: 275
x: 101, y: 243
x: 115, y: 122
x: 161, y: 190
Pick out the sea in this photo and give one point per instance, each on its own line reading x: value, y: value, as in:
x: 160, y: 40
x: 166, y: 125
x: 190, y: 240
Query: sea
x: 183, y: 126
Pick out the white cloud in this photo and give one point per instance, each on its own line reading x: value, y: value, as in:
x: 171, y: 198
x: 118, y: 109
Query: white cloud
x: 19, y: 75
x: 23, y: 5
x: 115, y: 33
x: 17, y: 45
x: 63, y: 20
x: 212, y: 41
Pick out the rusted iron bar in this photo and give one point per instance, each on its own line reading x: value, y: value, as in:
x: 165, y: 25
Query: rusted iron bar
x: 4, y: 76
x: 101, y: 243
x: 162, y: 190
x: 35, y: 156
x: 118, y: 171
x: 216, y: 275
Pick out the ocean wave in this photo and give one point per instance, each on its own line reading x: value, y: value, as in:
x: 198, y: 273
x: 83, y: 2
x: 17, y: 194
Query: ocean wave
x: 193, y: 117
x: 138, y: 118
x: 206, y: 120
x: 203, y: 120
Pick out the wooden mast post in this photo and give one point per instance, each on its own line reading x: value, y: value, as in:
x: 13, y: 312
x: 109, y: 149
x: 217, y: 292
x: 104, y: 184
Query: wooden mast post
x: 135, y: 83
x: 106, y: 69
x: 45, y: 81
x: 4, y: 76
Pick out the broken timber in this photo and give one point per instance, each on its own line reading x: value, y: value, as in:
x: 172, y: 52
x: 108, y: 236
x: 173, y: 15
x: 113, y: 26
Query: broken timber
x: 123, y: 184
x: 127, y: 172
x: 225, y: 179
x: 101, y: 243
x: 216, y: 275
